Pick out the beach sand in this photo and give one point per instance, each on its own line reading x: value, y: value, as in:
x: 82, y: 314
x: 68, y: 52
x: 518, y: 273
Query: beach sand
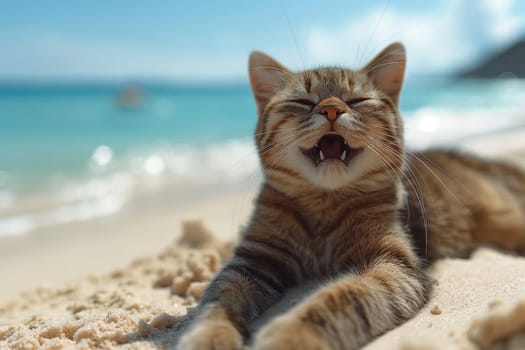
x: 56, y: 254
x: 127, y: 281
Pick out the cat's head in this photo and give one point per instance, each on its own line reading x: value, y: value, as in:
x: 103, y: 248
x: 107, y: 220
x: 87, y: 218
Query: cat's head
x: 329, y: 127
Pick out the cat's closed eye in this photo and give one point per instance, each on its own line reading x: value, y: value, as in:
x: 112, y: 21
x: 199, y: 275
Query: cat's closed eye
x: 298, y: 105
x: 355, y: 101
x: 304, y: 101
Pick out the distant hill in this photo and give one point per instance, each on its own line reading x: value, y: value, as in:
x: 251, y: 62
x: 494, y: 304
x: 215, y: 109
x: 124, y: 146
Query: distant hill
x: 508, y: 63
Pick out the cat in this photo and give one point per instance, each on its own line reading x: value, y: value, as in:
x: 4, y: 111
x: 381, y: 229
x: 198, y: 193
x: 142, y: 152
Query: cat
x: 346, y: 210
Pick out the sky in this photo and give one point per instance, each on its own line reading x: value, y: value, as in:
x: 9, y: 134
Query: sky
x: 196, y: 40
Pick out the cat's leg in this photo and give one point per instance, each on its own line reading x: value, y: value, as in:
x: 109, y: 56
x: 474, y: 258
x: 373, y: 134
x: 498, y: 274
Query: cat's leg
x: 249, y: 284
x: 211, y: 329
x: 350, y: 311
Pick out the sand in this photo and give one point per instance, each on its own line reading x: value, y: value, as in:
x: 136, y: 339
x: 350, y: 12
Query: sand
x: 58, y: 254
x: 477, y: 303
x: 135, y: 307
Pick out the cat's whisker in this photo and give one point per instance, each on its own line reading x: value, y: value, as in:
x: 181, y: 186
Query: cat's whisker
x: 437, y: 178
x: 280, y: 147
x: 294, y: 36
x: 418, y: 191
x: 371, y: 36
x: 390, y: 127
x: 410, y: 176
x: 440, y: 169
x: 269, y: 147
x: 256, y: 176
x: 273, y: 131
x: 262, y: 133
x: 274, y: 159
x: 390, y: 170
x: 411, y: 170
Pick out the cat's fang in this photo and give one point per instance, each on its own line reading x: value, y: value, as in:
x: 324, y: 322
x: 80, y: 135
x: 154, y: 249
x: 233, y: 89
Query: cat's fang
x: 321, y: 155
x: 343, y: 155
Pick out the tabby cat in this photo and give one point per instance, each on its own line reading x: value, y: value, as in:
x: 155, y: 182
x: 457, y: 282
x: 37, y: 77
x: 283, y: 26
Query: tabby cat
x: 345, y: 210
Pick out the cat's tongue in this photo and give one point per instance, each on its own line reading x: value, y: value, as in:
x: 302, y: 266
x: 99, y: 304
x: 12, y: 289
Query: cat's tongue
x: 331, y: 146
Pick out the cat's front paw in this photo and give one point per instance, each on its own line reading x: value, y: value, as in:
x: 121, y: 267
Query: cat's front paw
x: 220, y: 335
x: 289, y: 333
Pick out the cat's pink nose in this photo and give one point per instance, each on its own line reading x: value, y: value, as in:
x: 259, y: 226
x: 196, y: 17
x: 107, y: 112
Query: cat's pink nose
x: 331, y: 107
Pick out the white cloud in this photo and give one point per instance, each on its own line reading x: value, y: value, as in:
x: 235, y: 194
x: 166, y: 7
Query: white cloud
x: 503, y: 23
x: 448, y: 38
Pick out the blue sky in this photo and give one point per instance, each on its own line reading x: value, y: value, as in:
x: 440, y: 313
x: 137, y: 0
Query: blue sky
x: 210, y: 40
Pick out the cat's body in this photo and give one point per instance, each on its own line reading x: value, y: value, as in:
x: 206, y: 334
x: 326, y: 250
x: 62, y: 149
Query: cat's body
x: 347, y: 212
x: 468, y: 201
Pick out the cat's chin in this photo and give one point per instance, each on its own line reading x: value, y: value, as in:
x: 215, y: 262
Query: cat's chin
x: 331, y: 174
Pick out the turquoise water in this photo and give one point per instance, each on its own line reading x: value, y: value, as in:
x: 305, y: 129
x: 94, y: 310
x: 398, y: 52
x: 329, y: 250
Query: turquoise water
x: 73, y: 143
x: 53, y: 130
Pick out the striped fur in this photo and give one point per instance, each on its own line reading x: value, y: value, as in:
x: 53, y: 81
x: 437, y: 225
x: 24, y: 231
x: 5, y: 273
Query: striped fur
x: 357, y: 232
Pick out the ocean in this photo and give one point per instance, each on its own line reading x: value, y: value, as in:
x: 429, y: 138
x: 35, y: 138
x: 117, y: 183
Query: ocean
x: 72, y: 152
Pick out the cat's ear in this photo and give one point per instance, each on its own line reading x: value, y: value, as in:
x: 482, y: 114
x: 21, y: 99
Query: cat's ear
x: 387, y: 70
x: 266, y: 78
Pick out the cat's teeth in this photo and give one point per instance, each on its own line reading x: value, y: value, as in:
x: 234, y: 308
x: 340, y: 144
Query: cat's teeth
x: 343, y: 155
x: 321, y: 155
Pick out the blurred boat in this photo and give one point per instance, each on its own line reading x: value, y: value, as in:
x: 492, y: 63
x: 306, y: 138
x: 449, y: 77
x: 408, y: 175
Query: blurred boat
x: 131, y: 97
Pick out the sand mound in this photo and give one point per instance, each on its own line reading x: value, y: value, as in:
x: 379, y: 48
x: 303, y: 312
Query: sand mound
x: 503, y: 328
x: 142, y: 306
x: 136, y: 307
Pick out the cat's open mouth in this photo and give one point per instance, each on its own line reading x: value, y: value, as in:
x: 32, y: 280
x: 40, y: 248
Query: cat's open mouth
x: 331, y: 147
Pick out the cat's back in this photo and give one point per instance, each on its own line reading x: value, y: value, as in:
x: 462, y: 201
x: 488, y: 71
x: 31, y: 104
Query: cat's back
x: 452, y: 196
